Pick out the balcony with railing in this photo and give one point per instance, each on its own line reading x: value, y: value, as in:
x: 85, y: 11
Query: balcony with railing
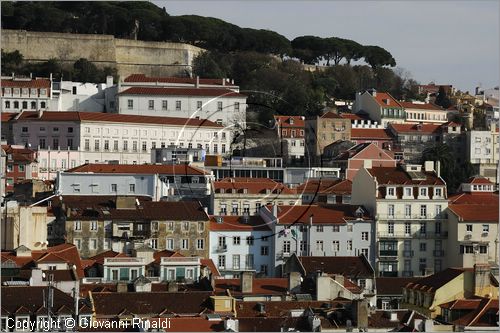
x: 124, y: 261
x: 221, y: 248
x: 414, y: 235
x: 388, y: 253
x: 180, y: 261
x: 283, y: 255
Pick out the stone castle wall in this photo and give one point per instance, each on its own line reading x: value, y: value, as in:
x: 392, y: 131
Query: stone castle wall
x: 127, y: 56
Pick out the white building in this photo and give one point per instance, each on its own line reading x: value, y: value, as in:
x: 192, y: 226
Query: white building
x: 216, y: 100
x: 25, y: 94
x: 112, y: 184
x: 240, y: 244
x: 482, y: 152
x: 291, y: 132
x: 79, y: 96
x: 409, y: 206
x: 380, y: 107
x: 426, y: 113
x: 116, y: 138
x: 326, y: 230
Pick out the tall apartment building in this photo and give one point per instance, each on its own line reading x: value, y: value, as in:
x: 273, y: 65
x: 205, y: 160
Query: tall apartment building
x: 67, y: 139
x: 324, y: 130
x: 473, y: 224
x: 291, y: 132
x: 482, y: 152
x: 379, y: 107
x: 319, y: 230
x: 217, y: 100
x: 409, y: 204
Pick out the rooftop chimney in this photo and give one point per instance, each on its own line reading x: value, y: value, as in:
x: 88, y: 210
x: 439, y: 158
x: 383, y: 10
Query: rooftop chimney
x: 224, y: 81
x: 429, y: 166
x: 246, y: 282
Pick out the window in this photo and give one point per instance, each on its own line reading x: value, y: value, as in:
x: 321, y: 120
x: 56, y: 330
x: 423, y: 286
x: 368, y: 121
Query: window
x: 236, y: 240
x: 236, y: 261
x: 185, y: 244
x: 185, y: 226
x: 438, y: 192
x: 364, y: 235
x: 423, y: 228
x: 423, y: 191
x: 144, y: 146
x: 249, y: 261
x: 125, y: 145
x: 115, y: 145
x: 438, y: 228
x: 303, y: 246
x: 96, y: 145
x: 153, y: 243
x: 93, y: 225
x: 349, y: 245
x: 349, y: 228
x: 423, y: 211
x: 468, y: 227
x: 483, y: 249
x: 391, y: 191
x: 21, y: 167
x: 199, y: 105
x: 200, y: 244
x: 222, y: 261
x: 286, y: 246
x: 201, y: 226
x: 250, y: 240
x: 106, y: 145
x: 438, y: 210
x: 78, y: 225
x: 319, y: 228
x: 486, y: 228
x: 407, y: 210
x: 336, y: 246
x: 390, y: 228
x: 7, y: 104
x: 407, y: 228
x: 170, y: 244
x: 151, y: 104
x: 134, y: 145
x: 130, y: 104
x: 164, y: 105
x: 336, y: 228
x: 42, y: 143
x: 219, y: 106
x: 177, y: 105
x: 93, y: 244
x: 25, y: 105
x: 78, y: 243
x: 257, y: 206
x: 390, y: 211
x: 423, y: 247
x: 16, y: 105
x: 131, y: 188
x: 364, y: 252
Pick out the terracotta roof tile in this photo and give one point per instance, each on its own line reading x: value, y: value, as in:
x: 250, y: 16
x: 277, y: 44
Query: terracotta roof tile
x: 238, y: 223
x: 480, y: 213
x: 114, y: 117
x: 416, y: 128
x: 208, y: 92
x: 392, y: 285
x: 426, y: 106
x: 176, y: 80
x: 33, y: 83
x: 479, y: 180
x: 382, y: 97
x: 251, y: 185
x: 435, y: 281
x: 285, y: 121
x: 7, y: 116
x: 397, y: 176
x: 281, y: 308
x: 371, y: 133
x: 261, y: 286
x: 322, y: 214
x: 331, y: 115
x: 161, y: 169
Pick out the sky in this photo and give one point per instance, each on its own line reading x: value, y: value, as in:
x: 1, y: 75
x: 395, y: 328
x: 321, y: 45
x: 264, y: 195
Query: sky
x: 446, y: 42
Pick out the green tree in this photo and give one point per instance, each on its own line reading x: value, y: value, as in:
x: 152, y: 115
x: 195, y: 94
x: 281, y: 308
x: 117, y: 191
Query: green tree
x: 11, y: 62
x: 442, y: 99
x: 85, y: 71
x: 309, y: 49
x: 376, y: 57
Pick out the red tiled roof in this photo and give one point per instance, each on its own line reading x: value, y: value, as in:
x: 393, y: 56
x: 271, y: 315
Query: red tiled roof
x: 479, y: 317
x: 281, y: 308
x: 479, y: 180
x: 237, y: 223
x: 435, y: 281
x: 397, y: 176
x: 392, y: 285
x: 317, y: 185
x: 211, y: 266
x: 212, y: 92
x: 252, y: 185
x: 99, y: 258
x: 33, y: 83
x: 480, y: 213
x: 352, y: 116
x: 164, y: 254
x: 194, y: 324
x: 331, y: 115
x: 381, y: 97
x: 487, y: 198
x: 114, y: 117
x: 260, y: 286
x: 7, y: 116
x: 179, y: 80
x: 416, y: 128
x: 50, y: 257
x: 20, y: 155
x: 161, y: 169
x: 462, y: 304
x: 370, y: 133
x: 426, y: 106
x: 284, y: 121
x: 324, y: 214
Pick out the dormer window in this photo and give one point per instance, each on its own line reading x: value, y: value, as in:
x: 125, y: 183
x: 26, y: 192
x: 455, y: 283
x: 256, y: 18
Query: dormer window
x: 291, y: 121
x: 423, y: 191
x: 408, y: 192
x: 438, y: 192
x: 391, y: 191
